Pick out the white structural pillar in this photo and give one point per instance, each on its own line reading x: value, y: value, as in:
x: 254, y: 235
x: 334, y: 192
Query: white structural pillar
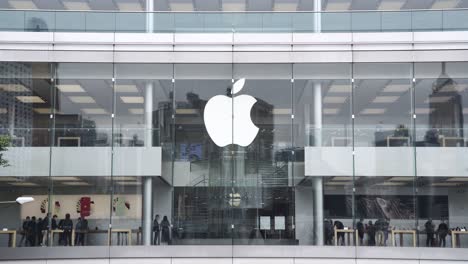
x: 317, y: 180
x: 317, y: 16
x: 148, y: 181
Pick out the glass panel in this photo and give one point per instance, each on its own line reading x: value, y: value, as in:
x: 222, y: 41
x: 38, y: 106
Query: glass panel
x: 265, y: 213
x: 164, y: 22
x: 441, y: 102
x: 130, y: 22
x: 455, y: 19
x: 70, y: 21
x: 366, y: 21
x: 427, y: 20
x: 247, y: 22
x: 12, y: 20
x: 303, y: 22
x: 143, y: 111
x: 277, y: 22
x: 336, y: 22
x: 323, y: 169
x: 39, y: 21
x: 202, y: 167
x: 396, y: 21
x: 384, y: 163
x: 82, y: 135
x: 100, y: 22
x: 25, y: 105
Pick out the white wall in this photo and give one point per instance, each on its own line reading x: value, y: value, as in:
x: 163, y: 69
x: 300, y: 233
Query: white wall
x: 386, y: 161
x: 82, y: 161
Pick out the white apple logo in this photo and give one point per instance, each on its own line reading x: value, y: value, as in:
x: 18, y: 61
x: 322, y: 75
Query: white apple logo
x: 228, y: 121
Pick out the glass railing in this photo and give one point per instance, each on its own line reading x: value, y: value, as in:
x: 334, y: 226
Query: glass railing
x: 160, y: 22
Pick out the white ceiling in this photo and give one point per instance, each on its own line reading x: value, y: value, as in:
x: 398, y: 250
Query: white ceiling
x: 239, y: 5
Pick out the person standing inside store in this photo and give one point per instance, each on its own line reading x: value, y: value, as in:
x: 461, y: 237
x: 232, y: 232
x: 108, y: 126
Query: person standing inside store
x: 45, y: 229
x: 429, y: 227
x: 328, y: 230
x: 165, y: 231
x: 78, y: 231
x: 340, y: 235
x: 370, y: 234
x: 360, y: 229
x: 156, y: 231
x: 24, y: 232
x: 32, y: 232
x: 442, y: 231
x: 39, y: 227
x: 67, y: 226
x: 379, y: 228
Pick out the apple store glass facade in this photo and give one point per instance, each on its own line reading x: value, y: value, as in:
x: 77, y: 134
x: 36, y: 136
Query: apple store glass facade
x: 363, y: 154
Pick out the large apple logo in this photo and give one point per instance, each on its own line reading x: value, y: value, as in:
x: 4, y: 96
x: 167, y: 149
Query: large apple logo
x: 228, y: 121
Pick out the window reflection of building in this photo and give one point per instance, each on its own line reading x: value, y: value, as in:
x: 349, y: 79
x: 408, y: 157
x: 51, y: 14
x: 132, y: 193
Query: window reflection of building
x: 446, y: 116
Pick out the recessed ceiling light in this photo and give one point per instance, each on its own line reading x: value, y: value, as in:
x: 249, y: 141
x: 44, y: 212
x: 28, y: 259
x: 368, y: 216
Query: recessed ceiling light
x: 187, y: 111
x: 342, y: 178
x: 94, y: 111
x: 285, y: 7
x: 444, y: 4
x: 423, y: 111
x: 391, y: 184
x: 233, y: 7
x: 385, y: 99
x: 65, y: 178
x: 14, y: 88
x: 337, y: 183
x: 123, y: 178
x: 70, y: 88
x: 125, y: 88
x: 2, y: 179
x: 128, y: 183
x: 396, y: 88
x: 391, y: 5
x: 438, y: 99
x: 22, y: 183
x: 136, y: 111
x: 334, y: 99
x: 445, y: 184
x: 338, y: 6
x: 30, y: 99
x: 330, y: 111
x: 402, y: 178
x: 3, y: 110
x: 339, y: 88
x: 22, y: 4
x: 281, y: 111
x: 82, y: 99
x: 458, y: 179
x: 181, y: 7
x: 76, y: 183
x: 132, y: 99
x: 72, y: 5
x: 454, y: 88
x: 129, y: 7
x: 373, y: 111
x: 43, y: 110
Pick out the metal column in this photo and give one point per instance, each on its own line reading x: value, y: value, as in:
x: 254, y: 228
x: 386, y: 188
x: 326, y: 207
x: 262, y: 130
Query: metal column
x: 317, y: 180
x: 148, y: 181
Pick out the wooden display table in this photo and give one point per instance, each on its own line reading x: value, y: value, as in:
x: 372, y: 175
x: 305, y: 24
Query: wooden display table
x: 348, y: 233
x: 454, y: 236
x: 119, y: 232
x: 401, y: 233
x: 60, y: 231
x: 11, y: 236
